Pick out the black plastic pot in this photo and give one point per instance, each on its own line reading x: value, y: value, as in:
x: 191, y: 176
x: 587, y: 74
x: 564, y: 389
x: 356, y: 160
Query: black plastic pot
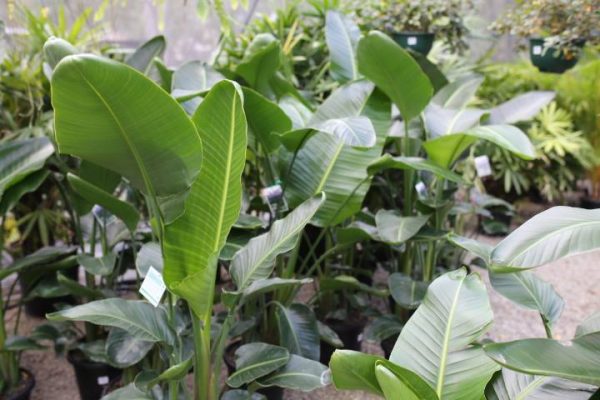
x: 387, y: 345
x: 349, y: 332
x: 23, y: 391
x: 589, y: 203
x: 417, y: 41
x: 40, y: 306
x: 271, y: 393
x: 92, y: 377
x: 552, y: 59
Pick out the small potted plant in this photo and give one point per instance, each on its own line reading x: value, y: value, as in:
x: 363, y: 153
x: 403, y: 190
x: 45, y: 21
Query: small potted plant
x: 414, y: 24
x: 557, y: 30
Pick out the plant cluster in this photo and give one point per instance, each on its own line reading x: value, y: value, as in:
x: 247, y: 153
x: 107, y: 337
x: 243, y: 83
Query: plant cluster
x: 565, y: 24
x: 263, y: 212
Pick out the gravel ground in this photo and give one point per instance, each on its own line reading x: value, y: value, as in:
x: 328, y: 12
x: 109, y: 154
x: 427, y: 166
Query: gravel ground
x: 577, y: 279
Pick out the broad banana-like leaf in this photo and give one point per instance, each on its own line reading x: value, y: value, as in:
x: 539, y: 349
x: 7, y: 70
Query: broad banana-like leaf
x: 13, y: 194
x: 272, y: 284
x: 437, y: 342
x: 260, y: 62
x: 44, y: 256
x: 393, y: 228
x: 549, y: 236
x: 102, y: 178
x: 239, y: 394
x: 264, y: 119
x: 255, y: 261
x: 577, y: 361
x: 521, y: 108
x: 139, y: 318
x: 142, y: 58
x: 129, y: 392
x: 589, y: 325
x: 342, y: 35
x: 124, y: 349
x: 480, y: 249
x: 55, y: 49
x: 193, y: 242
x: 352, y: 370
x: 254, y: 360
x: 383, y: 327
x: 76, y: 289
x: 298, y: 330
x: 326, y: 164
x: 150, y: 255
x: 20, y: 158
x: 457, y: 94
x: 101, y: 266
x: 406, y: 291
x: 356, y: 131
x: 416, y: 163
x: 529, y: 291
x: 511, y: 385
x: 191, y: 80
x: 298, y: 374
x: 113, y: 116
x: 125, y: 211
x: 443, y: 121
x: 395, y: 72
x: 446, y: 149
x: 296, y: 110
x: 436, y: 77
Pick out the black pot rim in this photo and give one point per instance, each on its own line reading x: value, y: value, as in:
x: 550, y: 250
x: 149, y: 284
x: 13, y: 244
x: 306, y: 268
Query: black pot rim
x: 26, y: 390
x: 414, y: 33
x: 540, y: 39
x: 78, y: 358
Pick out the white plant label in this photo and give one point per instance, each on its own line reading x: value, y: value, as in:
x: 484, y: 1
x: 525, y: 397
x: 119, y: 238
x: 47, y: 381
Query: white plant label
x: 483, y: 167
x: 153, y: 287
x: 102, y: 380
x: 421, y: 189
x: 537, y: 50
x: 412, y: 41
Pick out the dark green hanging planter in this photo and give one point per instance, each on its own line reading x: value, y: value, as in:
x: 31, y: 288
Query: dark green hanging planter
x: 551, y: 59
x: 417, y: 41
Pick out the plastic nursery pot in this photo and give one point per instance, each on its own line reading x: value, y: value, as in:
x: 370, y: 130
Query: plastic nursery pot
x: 40, y: 306
x: 551, y: 59
x: 417, y: 41
x: 24, y: 389
x: 271, y: 393
x: 349, y: 332
x: 387, y: 345
x: 92, y: 377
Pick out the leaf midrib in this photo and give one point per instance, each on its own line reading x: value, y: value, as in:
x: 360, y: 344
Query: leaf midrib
x: 446, y: 342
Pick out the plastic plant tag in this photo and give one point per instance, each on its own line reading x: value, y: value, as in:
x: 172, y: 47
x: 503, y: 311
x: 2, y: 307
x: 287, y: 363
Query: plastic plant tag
x: 102, y: 380
x: 153, y: 286
x: 483, y: 167
x: 412, y: 40
x: 273, y: 197
x: 537, y: 50
x: 421, y: 189
x: 102, y: 215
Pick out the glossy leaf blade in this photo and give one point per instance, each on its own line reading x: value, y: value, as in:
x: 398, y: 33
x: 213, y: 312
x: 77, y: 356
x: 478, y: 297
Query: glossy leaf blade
x: 20, y: 158
x: 298, y: 374
x: 142, y: 58
x: 298, y: 331
x: 342, y: 35
x: 254, y: 360
x: 393, y: 228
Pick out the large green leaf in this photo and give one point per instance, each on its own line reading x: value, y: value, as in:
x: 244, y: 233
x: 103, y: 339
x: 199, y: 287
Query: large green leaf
x: 150, y: 255
x: 458, y: 94
x: 326, y: 164
x: 521, y: 108
x: 13, y: 194
x: 406, y: 291
x: 437, y: 341
x: 511, y: 385
x: 191, y: 80
x: 446, y: 149
x: 342, y: 35
x: 193, y: 242
x: 549, y: 236
x: 298, y: 330
x: 441, y: 121
x: 142, y: 58
x: 298, y: 374
x: 20, y: 158
x: 415, y: 163
x: 101, y: 266
x: 125, y: 211
x: 395, y: 72
x: 589, y: 325
x: 260, y: 62
x: 578, y: 361
x: 110, y: 114
x: 44, y: 256
x: 479, y: 249
x: 124, y: 349
x: 254, y: 360
x: 264, y: 118
x: 256, y: 260
x: 529, y: 291
x: 128, y: 392
x: 139, y: 318
x: 393, y: 228
x: 55, y: 49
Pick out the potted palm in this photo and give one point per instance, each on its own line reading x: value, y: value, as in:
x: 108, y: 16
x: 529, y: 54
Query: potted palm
x: 414, y: 24
x: 557, y: 30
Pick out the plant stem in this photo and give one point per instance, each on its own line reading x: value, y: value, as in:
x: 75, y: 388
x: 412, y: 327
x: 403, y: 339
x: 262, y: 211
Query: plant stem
x: 202, y: 381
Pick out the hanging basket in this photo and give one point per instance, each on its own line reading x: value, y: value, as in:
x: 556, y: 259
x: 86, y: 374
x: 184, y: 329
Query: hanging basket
x: 551, y: 59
